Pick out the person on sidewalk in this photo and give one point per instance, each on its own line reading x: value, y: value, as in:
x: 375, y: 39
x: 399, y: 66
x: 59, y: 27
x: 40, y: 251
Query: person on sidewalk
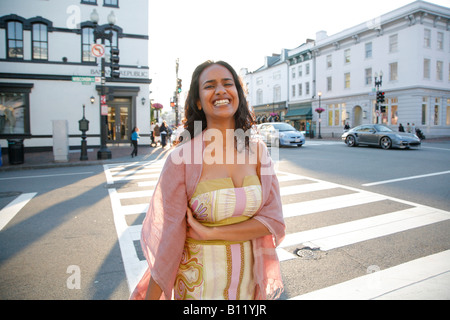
x: 134, y: 141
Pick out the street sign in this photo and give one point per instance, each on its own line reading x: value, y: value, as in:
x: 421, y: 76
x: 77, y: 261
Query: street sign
x: 103, y: 99
x: 86, y: 79
x: 98, y: 50
x: 104, y: 110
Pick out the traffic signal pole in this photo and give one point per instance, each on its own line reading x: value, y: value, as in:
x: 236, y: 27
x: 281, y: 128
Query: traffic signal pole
x: 380, y: 95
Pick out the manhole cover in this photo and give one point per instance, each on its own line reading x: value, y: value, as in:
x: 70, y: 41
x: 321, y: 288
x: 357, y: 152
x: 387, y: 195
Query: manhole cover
x: 308, y: 253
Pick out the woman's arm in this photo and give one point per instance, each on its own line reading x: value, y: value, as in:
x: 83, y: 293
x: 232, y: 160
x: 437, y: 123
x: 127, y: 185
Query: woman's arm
x: 243, y: 231
x: 154, y: 291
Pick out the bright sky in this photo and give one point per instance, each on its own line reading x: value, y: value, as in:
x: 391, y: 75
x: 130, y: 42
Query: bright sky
x: 242, y: 32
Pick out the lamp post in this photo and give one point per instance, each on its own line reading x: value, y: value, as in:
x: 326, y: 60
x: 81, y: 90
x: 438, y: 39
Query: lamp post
x: 378, y: 83
x: 101, y: 33
x: 83, y: 125
x: 319, y: 110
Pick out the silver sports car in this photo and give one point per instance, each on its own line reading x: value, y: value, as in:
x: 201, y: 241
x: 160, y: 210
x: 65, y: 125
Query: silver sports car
x: 379, y: 135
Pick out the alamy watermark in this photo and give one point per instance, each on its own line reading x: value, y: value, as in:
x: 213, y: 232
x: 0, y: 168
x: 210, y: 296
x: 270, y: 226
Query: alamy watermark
x: 220, y: 149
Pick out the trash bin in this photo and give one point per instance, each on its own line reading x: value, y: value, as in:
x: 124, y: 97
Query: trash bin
x: 15, y: 151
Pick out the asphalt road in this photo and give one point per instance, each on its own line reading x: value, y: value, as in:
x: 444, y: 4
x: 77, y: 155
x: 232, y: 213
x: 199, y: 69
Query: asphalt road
x: 65, y: 242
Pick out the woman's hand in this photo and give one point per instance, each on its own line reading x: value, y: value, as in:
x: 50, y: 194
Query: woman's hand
x: 195, y: 229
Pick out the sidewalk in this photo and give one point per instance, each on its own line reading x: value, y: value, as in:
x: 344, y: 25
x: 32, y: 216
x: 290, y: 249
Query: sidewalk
x: 120, y: 153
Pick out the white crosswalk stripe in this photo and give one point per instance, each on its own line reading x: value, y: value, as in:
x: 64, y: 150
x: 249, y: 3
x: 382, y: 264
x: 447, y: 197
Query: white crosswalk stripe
x: 293, y: 189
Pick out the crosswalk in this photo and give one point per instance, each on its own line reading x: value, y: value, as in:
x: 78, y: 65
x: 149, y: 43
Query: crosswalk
x: 131, y: 186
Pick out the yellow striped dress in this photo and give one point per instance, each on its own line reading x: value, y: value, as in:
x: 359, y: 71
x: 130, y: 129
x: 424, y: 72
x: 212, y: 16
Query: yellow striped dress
x: 217, y: 270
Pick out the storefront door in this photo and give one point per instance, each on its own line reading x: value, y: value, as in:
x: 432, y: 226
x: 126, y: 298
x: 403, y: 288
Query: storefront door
x: 119, y: 120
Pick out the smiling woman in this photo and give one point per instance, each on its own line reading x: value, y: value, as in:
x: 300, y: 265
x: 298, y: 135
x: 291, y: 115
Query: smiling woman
x: 212, y: 226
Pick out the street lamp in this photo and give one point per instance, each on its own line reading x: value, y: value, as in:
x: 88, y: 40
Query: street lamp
x: 100, y: 32
x: 319, y: 111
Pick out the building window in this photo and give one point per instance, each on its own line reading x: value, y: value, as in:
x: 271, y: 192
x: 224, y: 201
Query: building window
x: 113, y: 44
x: 300, y: 89
x: 393, y: 71
x: 427, y: 38
x: 439, y: 70
x: 393, y: 43
x: 368, y: 50
x: 259, y: 96
x: 293, y: 90
x: 329, y: 61
x: 347, y: 80
x: 277, y: 75
x: 329, y: 84
x: 426, y: 68
x: 40, y: 42
x: 300, y: 71
x: 307, y: 69
x: 440, y: 41
x: 447, y: 121
x: 437, y: 102
x: 368, y: 74
x: 307, y: 88
x: 293, y: 73
x: 259, y: 80
x: 394, y: 110
x: 87, y: 38
x: 347, y: 56
x: 89, y: 2
x: 15, y: 40
x: 424, y: 110
x: 277, y: 93
x: 111, y: 3
x: 14, y: 109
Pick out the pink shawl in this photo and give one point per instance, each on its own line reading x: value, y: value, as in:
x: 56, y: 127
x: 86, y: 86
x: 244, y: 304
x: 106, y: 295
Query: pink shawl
x: 164, y: 227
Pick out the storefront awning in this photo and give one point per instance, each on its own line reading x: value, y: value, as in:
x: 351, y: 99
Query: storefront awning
x: 304, y: 113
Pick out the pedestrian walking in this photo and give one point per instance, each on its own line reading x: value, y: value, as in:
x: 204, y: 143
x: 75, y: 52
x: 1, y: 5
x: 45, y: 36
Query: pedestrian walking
x: 134, y: 141
x: 202, y: 241
x: 408, y: 128
x: 400, y: 128
x: 163, y: 133
x: 152, y: 137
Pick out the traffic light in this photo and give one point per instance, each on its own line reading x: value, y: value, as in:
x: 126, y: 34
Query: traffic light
x: 382, y: 99
x: 179, y: 85
x: 115, y: 73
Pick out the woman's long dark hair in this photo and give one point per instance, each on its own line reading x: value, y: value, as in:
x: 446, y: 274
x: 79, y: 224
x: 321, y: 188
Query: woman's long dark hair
x: 243, y: 118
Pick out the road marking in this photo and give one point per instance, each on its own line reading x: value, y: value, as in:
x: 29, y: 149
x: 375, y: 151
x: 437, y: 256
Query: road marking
x: 411, y: 278
x: 339, y: 235
x: 134, y: 268
x: 406, y: 178
x: 8, y: 212
x: 47, y: 175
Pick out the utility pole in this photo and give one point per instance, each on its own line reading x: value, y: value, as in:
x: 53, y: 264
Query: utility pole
x: 177, y: 91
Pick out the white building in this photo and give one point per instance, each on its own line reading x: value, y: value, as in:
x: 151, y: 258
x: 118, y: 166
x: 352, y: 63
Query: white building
x: 45, y: 50
x: 410, y: 46
x: 267, y: 90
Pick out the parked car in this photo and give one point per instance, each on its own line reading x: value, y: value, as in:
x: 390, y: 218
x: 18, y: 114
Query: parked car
x: 281, y: 134
x: 379, y: 135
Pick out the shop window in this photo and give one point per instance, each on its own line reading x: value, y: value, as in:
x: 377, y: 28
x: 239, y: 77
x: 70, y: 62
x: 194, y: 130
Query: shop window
x: 14, y: 109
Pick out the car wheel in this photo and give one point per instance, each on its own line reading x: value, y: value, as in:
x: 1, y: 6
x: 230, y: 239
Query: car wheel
x: 350, y: 141
x: 386, y: 143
